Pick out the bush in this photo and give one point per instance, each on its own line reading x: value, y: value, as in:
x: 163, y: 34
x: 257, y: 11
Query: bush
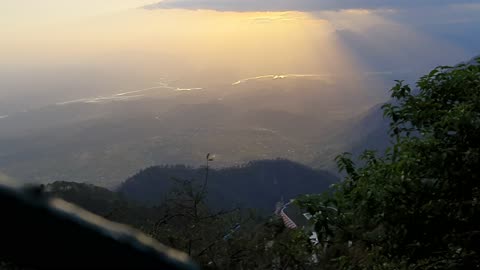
x: 417, y: 206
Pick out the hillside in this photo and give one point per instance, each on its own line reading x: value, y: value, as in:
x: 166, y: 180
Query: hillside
x: 258, y: 184
x: 103, y: 202
x: 371, y: 129
x: 371, y: 132
x: 98, y: 200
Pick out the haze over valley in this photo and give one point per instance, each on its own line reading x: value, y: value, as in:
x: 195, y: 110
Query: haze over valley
x: 105, y: 139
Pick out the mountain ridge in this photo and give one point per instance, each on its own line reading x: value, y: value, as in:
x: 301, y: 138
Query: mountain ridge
x: 257, y: 184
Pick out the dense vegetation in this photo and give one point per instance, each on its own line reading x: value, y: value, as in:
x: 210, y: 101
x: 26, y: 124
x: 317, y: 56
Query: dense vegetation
x: 181, y: 207
x: 416, y: 206
x: 178, y: 207
x: 223, y: 239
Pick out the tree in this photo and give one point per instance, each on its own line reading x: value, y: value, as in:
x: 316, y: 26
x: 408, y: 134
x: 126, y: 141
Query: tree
x: 417, y: 206
x: 190, y: 225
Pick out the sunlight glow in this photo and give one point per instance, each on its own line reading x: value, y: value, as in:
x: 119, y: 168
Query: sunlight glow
x: 248, y: 44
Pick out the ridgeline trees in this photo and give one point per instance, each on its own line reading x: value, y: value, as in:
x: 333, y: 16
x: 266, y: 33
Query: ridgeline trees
x: 417, y: 206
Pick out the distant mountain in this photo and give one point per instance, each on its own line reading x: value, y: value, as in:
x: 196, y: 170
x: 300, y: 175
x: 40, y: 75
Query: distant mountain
x: 474, y: 61
x: 370, y: 130
x: 258, y: 184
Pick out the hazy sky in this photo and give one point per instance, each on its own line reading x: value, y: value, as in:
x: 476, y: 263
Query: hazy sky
x: 302, y: 5
x: 51, y: 10
x: 69, y: 48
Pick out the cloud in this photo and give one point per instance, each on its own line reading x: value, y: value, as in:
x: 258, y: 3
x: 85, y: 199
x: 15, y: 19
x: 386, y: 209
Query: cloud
x: 299, y: 5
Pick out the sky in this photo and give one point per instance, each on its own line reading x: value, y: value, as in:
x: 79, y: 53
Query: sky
x: 302, y: 5
x: 71, y: 48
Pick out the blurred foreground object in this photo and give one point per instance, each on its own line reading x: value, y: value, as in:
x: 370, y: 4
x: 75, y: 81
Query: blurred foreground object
x: 43, y: 233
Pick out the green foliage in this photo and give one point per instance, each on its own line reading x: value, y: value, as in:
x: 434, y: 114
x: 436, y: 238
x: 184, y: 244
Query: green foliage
x: 233, y: 239
x: 185, y: 221
x: 188, y: 224
x: 417, y: 206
